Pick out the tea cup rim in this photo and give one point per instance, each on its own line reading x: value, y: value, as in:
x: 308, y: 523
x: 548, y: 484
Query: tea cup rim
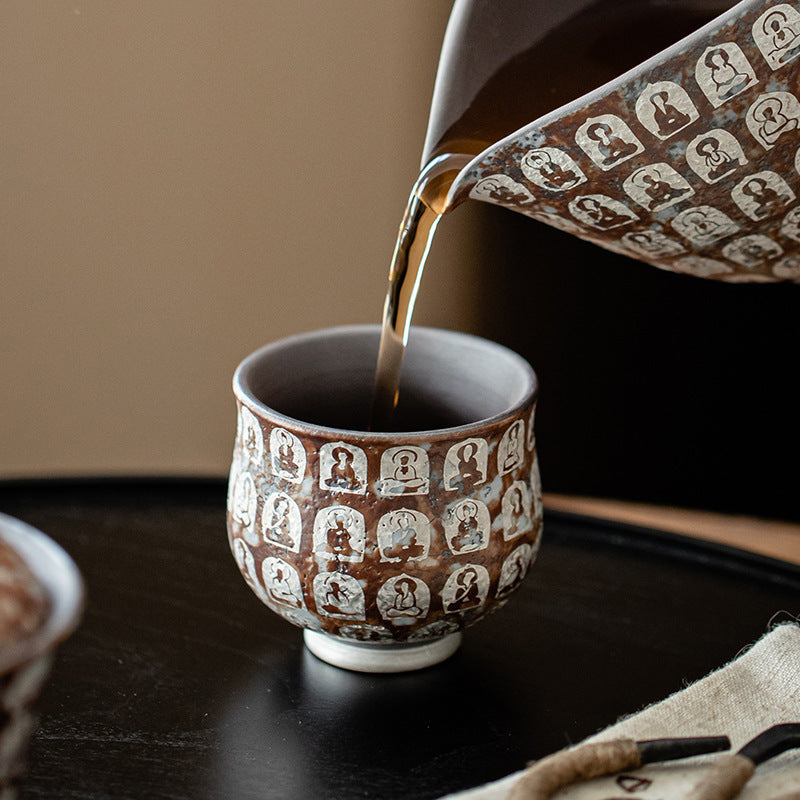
x: 242, y: 391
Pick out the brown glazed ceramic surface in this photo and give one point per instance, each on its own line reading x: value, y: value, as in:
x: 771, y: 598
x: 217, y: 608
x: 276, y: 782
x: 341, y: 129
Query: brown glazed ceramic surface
x: 689, y: 162
x: 384, y: 537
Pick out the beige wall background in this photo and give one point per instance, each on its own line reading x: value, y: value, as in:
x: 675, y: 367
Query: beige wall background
x: 183, y: 182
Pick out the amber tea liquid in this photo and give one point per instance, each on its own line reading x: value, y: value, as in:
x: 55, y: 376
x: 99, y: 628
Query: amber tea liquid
x: 426, y: 204
x: 504, y: 64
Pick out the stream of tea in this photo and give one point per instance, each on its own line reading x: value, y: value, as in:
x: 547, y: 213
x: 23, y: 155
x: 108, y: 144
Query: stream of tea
x: 479, y: 100
x: 425, y: 207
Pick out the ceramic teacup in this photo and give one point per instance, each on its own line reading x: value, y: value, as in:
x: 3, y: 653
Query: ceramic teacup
x: 384, y: 546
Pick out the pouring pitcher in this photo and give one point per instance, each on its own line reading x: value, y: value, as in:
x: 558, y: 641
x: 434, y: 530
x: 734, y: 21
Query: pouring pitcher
x: 689, y: 161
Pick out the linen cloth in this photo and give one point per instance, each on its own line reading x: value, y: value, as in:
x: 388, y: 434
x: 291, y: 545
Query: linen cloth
x: 758, y: 689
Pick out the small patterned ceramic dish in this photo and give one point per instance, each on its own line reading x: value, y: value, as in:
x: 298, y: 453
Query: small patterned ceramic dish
x: 41, y: 599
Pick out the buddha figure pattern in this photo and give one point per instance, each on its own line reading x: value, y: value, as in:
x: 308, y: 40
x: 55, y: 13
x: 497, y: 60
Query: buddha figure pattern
x: 429, y: 571
x: 404, y: 470
x: 251, y: 436
x: 287, y: 454
x: 551, y: 169
x: 656, y: 186
x: 403, y: 600
x: 664, y: 108
x: 714, y: 155
x: 282, y: 583
x: 790, y: 226
x: 762, y: 195
x: 404, y: 535
x: 465, y: 466
x: 281, y: 524
x: 516, y: 507
x: 466, y: 589
x: 246, y: 563
x: 722, y: 72
x: 343, y: 468
x: 509, y: 452
x: 698, y: 141
x: 703, y: 225
x: 514, y: 569
x: 773, y: 115
x: 651, y: 243
x: 530, y: 431
x: 467, y: 526
x: 502, y: 190
x: 751, y: 251
x: 601, y: 211
x: 244, y: 500
x: 338, y: 595
x: 607, y: 140
x: 339, y: 534
x: 777, y: 35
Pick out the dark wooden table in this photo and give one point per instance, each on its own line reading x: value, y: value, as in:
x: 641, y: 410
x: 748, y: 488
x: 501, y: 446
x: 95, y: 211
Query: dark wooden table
x: 180, y: 684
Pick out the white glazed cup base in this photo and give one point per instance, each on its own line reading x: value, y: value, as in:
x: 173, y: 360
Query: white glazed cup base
x: 361, y: 657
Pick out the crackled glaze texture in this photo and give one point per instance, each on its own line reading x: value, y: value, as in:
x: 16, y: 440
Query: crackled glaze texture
x: 689, y: 162
x: 384, y: 537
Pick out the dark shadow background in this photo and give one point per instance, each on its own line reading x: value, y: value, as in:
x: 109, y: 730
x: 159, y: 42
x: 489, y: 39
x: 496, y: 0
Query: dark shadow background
x: 656, y: 387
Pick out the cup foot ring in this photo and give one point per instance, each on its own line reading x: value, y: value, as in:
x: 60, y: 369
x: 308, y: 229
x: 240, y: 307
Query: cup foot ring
x: 376, y: 658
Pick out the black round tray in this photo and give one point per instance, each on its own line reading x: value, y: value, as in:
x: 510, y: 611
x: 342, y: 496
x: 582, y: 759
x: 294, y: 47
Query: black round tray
x: 180, y: 684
